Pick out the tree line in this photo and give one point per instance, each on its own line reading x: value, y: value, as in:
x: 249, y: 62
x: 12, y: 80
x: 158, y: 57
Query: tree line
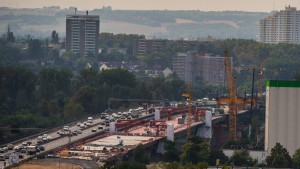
x: 197, y: 154
x: 55, y: 95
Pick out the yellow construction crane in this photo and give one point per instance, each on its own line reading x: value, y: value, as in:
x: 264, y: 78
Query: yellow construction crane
x: 231, y: 94
x: 189, y: 115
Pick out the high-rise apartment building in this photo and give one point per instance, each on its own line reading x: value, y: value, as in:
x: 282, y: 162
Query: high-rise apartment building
x: 147, y: 46
x: 82, y: 32
x: 192, y: 67
x: 283, y: 26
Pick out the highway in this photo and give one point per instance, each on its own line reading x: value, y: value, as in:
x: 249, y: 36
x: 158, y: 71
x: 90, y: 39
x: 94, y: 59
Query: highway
x: 58, y: 140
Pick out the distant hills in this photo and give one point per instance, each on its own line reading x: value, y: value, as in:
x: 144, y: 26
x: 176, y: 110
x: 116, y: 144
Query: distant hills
x: 152, y: 23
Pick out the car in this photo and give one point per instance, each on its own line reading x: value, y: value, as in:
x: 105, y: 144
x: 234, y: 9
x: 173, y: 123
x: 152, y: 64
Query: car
x: 2, y: 157
x: 23, y: 150
x: 6, y: 156
x: 62, y: 133
x: 66, y: 128
x: 10, y: 146
x: 24, y: 143
x: 17, y: 148
x: 102, y: 123
x: 103, y: 115
x: 74, y: 133
x: 41, y: 147
x: 2, y: 150
x: 39, y: 140
x: 100, y: 127
x: 45, y: 138
x: 49, y: 138
x: 129, y: 118
x: 88, y: 124
x: 21, y: 156
x: 107, y: 124
x: 78, y: 131
x: 78, y: 124
x: 82, y: 126
x: 94, y: 130
x: 29, y: 142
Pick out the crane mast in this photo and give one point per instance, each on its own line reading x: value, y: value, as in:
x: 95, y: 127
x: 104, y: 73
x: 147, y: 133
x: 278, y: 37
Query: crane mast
x: 231, y: 94
x: 188, y: 95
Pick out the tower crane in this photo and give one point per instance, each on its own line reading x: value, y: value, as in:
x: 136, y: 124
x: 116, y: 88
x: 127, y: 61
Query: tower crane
x: 232, y: 95
x: 189, y: 115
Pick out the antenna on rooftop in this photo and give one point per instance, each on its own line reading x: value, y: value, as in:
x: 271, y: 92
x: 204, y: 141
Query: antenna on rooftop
x: 75, y: 11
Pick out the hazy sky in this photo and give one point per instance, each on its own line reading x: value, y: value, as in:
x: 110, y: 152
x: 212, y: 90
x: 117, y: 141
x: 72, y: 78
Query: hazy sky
x: 204, y: 5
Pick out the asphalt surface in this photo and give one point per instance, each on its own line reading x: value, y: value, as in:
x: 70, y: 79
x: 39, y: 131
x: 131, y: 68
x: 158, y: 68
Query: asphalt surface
x: 58, y: 140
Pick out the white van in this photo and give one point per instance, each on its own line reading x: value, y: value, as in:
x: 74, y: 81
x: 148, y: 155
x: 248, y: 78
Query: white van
x: 66, y: 128
x: 90, y: 120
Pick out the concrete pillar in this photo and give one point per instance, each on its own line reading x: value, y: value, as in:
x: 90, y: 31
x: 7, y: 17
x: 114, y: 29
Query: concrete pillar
x: 112, y: 127
x: 157, y: 114
x: 170, y: 131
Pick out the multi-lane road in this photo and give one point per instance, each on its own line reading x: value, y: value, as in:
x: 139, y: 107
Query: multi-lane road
x: 58, y: 140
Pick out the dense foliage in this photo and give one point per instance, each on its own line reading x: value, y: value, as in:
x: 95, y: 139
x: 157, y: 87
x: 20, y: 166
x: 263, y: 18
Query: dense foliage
x: 54, y: 95
x: 279, y: 157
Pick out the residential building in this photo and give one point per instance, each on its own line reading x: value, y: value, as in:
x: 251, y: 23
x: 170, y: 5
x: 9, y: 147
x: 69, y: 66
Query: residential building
x: 145, y: 46
x: 282, y: 115
x: 282, y: 26
x: 193, y: 66
x: 82, y: 32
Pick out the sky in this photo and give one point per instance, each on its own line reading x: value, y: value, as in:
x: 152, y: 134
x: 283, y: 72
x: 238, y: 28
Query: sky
x: 203, y: 5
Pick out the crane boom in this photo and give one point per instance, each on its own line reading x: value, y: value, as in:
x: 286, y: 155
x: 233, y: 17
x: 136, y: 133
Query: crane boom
x: 232, y: 95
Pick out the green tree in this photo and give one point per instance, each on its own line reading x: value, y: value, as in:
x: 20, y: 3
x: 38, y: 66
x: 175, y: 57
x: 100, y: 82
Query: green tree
x: 86, y: 96
x: 17, y: 88
x: 73, y: 110
x: 54, y: 37
x: 118, y: 76
x: 89, y: 76
x: 242, y: 158
x: 217, y: 154
x: 130, y: 165
x: 52, y: 81
x: 194, y: 153
x: 35, y: 49
x: 297, y: 76
x: 279, y: 157
x: 139, y: 155
x: 296, y: 159
x: 171, y: 153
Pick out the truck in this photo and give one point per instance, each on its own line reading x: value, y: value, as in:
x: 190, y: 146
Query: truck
x: 90, y: 120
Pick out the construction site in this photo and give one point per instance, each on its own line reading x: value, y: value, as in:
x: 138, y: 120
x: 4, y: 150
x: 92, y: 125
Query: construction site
x: 216, y: 121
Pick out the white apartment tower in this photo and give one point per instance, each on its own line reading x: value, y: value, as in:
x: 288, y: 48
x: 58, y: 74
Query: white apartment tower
x: 283, y: 26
